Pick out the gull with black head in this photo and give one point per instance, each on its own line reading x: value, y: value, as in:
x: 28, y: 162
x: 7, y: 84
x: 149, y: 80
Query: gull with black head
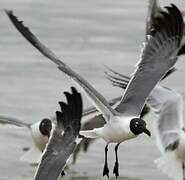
x: 169, y: 127
x: 40, y: 132
x: 158, y: 56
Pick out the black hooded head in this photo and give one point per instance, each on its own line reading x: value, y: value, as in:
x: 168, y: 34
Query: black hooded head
x: 138, y: 126
x: 45, y: 127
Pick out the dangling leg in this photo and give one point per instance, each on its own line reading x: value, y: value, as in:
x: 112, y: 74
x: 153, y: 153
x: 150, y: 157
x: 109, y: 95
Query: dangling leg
x: 116, y: 166
x: 106, y: 169
x: 183, y: 170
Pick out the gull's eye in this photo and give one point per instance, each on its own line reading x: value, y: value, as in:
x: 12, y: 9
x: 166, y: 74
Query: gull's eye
x: 136, y: 124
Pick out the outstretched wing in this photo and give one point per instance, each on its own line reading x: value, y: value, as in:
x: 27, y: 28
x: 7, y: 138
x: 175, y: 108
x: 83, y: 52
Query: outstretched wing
x: 13, y: 121
x: 158, y: 56
x: 91, y: 111
x: 96, y: 98
x: 120, y: 80
x: 168, y: 107
x: 62, y: 144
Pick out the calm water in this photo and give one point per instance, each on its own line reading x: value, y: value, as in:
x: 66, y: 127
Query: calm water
x: 86, y: 34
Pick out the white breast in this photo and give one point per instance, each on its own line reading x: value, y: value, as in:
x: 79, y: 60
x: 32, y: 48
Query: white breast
x: 116, y: 130
x: 39, y: 140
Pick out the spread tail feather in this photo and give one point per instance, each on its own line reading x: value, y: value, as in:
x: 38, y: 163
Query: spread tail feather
x: 33, y: 156
x: 170, y: 165
x: 89, y: 133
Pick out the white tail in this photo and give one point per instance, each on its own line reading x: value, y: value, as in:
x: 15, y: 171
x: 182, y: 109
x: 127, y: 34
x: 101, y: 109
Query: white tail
x: 33, y: 156
x: 170, y: 165
x: 89, y: 134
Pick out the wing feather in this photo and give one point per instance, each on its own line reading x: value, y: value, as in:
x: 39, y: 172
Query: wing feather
x: 159, y: 54
x: 168, y: 107
x: 61, y: 145
x: 95, y: 97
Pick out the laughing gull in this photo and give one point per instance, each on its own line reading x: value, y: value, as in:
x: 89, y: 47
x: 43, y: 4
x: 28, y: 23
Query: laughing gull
x: 94, y: 119
x: 169, y: 127
x: 63, y: 139
x: 158, y: 56
x: 40, y: 132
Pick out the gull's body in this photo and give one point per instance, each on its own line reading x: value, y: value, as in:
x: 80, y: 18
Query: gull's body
x: 158, y: 56
x: 116, y: 132
x: 39, y: 139
x: 40, y: 135
x: 168, y: 127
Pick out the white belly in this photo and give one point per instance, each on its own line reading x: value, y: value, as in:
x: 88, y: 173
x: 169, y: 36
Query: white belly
x: 39, y: 140
x: 116, y: 131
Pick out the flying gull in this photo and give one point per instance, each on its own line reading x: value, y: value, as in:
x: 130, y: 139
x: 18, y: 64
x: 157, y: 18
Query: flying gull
x: 158, y: 56
x: 169, y: 127
x: 40, y: 132
x: 95, y: 119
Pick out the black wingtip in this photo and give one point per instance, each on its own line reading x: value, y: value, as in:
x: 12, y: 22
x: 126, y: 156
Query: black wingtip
x: 71, y: 114
x: 7, y: 11
x: 73, y: 89
x: 169, y: 20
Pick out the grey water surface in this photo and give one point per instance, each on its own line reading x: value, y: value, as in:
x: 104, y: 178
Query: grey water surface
x: 87, y: 35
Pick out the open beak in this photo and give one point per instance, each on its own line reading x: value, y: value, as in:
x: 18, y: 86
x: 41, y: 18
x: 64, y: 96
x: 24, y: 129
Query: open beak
x: 146, y: 131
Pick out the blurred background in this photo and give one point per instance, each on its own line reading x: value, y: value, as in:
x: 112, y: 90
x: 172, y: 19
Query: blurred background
x: 87, y: 35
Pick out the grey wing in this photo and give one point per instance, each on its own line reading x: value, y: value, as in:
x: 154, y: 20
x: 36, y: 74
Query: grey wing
x: 61, y: 145
x: 96, y: 121
x: 153, y: 12
x: 95, y: 97
x: 158, y: 56
x: 121, y: 81
x: 168, y: 107
x: 91, y: 111
x: 13, y: 121
x: 54, y: 158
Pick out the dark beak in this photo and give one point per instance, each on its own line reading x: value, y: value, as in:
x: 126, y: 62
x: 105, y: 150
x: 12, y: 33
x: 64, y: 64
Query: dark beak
x: 146, y: 131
